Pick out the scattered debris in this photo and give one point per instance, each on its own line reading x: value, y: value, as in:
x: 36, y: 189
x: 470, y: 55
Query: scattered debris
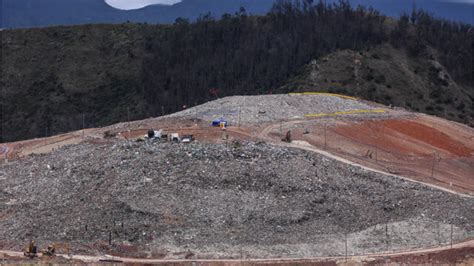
x: 250, y: 109
x: 108, y: 134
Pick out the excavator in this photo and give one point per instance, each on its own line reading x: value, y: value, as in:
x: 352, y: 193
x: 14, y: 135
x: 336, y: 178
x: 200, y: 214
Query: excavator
x: 31, y: 250
x: 49, y: 251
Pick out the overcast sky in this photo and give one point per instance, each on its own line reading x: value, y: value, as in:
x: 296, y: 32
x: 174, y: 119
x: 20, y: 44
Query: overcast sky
x: 133, y: 4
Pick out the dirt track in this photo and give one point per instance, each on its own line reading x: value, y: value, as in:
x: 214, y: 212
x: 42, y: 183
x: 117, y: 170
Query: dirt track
x: 386, y: 257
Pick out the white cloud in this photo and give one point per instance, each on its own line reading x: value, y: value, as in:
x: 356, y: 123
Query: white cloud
x: 134, y: 4
x: 461, y: 1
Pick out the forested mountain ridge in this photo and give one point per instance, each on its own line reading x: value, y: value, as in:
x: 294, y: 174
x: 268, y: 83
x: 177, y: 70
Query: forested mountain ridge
x: 41, y: 13
x: 53, y: 77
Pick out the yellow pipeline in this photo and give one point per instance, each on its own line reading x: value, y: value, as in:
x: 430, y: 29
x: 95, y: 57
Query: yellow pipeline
x: 324, y: 94
x: 346, y: 113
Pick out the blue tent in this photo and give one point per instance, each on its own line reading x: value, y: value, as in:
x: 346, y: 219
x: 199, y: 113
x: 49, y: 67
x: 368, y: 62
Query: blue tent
x: 217, y: 122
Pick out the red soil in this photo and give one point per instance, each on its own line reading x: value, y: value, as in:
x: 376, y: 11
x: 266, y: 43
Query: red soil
x: 404, y: 137
x: 423, y: 148
x: 429, y: 135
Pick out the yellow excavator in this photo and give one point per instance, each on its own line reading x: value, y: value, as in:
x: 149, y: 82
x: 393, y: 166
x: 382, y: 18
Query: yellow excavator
x: 31, y: 250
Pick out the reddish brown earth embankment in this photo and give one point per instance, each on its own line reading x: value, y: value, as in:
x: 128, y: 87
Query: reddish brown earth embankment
x: 404, y: 137
x: 426, y: 149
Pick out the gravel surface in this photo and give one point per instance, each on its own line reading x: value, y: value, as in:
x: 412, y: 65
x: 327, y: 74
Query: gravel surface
x: 216, y: 201
x: 268, y: 108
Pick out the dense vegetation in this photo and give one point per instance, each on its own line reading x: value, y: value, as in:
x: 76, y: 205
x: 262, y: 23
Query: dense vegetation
x: 53, y: 77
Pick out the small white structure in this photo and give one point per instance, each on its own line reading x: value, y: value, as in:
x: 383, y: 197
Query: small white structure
x: 174, y: 137
x: 158, y: 134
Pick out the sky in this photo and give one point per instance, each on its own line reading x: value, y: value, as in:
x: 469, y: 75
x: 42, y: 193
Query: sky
x: 461, y: 1
x: 134, y: 4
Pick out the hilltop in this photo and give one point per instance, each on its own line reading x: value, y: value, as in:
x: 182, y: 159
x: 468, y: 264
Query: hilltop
x: 27, y: 13
x: 390, y: 76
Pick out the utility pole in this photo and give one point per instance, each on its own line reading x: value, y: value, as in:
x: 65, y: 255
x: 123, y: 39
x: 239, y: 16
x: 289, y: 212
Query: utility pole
x: 240, y: 110
x: 439, y: 236
x: 162, y: 110
x: 451, y: 236
x: 241, y: 255
x: 83, y: 124
x: 346, y: 243
x: 195, y: 112
x: 281, y: 129
x: 325, y: 140
x: 128, y: 119
x: 434, y: 162
x: 377, y: 146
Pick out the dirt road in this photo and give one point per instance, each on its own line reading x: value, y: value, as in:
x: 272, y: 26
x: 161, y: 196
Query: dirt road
x: 362, y: 258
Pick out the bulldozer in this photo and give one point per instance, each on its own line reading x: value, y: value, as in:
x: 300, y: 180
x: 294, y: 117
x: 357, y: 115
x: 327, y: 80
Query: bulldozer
x: 31, y: 250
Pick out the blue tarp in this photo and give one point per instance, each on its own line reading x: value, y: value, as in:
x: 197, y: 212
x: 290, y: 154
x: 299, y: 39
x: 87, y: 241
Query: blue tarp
x: 217, y: 122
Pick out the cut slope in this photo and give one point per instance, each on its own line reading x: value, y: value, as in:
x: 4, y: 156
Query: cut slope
x: 404, y: 136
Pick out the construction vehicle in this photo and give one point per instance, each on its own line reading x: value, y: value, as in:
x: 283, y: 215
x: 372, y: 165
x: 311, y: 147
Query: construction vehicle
x: 50, y: 251
x: 31, y: 250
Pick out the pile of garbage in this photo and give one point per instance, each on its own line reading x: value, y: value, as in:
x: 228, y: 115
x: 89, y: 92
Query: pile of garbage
x: 270, y: 108
x: 215, y: 199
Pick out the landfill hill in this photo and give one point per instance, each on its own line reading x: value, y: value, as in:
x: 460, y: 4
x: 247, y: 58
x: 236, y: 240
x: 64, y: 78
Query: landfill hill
x: 242, y: 192
x: 217, y: 201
